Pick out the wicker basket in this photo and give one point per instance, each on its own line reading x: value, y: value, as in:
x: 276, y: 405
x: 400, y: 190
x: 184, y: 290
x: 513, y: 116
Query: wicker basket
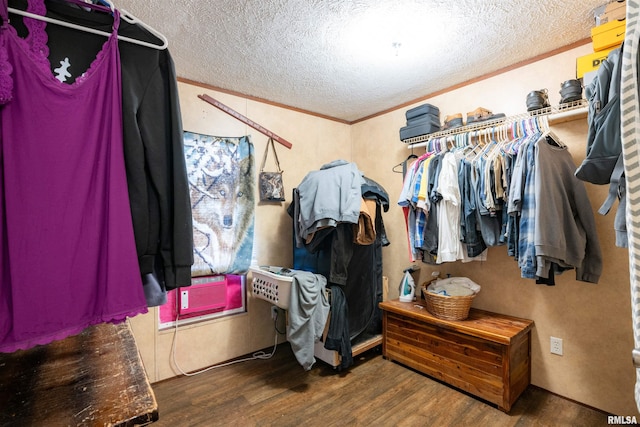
x: 446, y: 307
x: 449, y: 307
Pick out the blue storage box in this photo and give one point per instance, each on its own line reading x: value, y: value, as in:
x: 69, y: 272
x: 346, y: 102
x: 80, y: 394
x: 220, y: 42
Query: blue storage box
x: 424, y: 119
x: 411, y: 131
x: 422, y: 109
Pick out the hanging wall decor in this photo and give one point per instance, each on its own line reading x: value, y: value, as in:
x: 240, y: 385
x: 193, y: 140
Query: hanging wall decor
x: 222, y: 190
x: 245, y: 120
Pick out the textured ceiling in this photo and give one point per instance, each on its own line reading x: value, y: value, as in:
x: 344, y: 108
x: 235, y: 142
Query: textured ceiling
x: 335, y: 57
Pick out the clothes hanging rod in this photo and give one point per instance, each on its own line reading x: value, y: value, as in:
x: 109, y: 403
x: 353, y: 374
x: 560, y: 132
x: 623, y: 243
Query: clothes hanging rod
x: 245, y: 120
x: 555, y: 114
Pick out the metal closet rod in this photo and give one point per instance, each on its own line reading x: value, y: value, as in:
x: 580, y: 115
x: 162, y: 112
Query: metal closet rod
x: 555, y: 113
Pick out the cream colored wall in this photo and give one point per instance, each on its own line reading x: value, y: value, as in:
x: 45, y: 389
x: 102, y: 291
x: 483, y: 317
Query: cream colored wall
x: 594, y: 321
x: 315, y: 141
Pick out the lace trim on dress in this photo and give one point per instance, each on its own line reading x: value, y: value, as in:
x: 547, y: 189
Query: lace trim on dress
x: 37, y: 36
x: 6, y: 69
x: 113, y: 39
x: 37, y: 40
x: 6, y: 81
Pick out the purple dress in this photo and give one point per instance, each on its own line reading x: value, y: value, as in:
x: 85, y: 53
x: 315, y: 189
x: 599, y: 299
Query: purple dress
x: 67, y: 251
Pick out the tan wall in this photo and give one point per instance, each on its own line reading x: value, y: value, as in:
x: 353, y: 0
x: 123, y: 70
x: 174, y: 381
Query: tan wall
x: 315, y: 141
x: 593, y: 320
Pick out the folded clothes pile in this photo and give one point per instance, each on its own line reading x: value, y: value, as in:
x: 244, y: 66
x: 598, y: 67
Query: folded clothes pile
x: 454, y: 287
x: 421, y: 120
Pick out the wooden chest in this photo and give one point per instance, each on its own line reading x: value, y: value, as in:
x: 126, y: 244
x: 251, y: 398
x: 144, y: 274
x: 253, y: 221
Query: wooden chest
x: 487, y: 355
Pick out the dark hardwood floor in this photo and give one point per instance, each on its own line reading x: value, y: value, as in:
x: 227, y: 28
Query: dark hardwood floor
x: 373, y: 392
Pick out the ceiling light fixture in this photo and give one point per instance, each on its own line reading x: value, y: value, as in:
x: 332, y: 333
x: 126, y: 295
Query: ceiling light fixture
x: 396, y: 47
x: 374, y: 34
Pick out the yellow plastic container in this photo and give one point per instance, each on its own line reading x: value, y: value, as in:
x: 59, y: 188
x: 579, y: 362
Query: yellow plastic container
x: 608, y: 35
x: 591, y: 62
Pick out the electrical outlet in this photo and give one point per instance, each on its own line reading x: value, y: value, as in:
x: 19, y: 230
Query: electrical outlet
x: 274, y: 312
x: 556, y: 346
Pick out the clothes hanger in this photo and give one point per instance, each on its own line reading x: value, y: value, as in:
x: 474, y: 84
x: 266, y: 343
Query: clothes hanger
x: 497, y: 143
x: 433, y: 145
x: 404, y: 164
x: 459, y: 145
x: 476, y: 149
x: 451, y: 142
x: 532, y: 132
x: 124, y: 14
x: 550, y: 137
x: 130, y: 18
x: 396, y: 166
x: 511, y: 135
x: 520, y: 133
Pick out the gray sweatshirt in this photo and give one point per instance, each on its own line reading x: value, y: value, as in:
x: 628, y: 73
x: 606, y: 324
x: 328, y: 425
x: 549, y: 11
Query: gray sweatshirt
x: 329, y: 196
x: 565, y: 229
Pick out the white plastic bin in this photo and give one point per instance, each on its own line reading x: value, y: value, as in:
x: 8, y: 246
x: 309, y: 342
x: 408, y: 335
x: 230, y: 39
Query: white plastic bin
x: 270, y: 286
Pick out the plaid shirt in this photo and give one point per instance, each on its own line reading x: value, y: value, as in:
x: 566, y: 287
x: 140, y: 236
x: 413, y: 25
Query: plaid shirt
x: 516, y: 178
x: 526, y: 245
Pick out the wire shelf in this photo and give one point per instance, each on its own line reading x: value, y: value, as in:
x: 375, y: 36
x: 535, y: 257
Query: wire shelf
x: 570, y: 108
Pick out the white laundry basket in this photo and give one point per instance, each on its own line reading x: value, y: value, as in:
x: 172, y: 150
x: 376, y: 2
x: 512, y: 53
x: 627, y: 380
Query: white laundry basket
x: 270, y: 286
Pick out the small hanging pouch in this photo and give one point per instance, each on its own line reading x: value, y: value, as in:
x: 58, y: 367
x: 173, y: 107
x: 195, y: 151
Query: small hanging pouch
x: 271, y: 185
